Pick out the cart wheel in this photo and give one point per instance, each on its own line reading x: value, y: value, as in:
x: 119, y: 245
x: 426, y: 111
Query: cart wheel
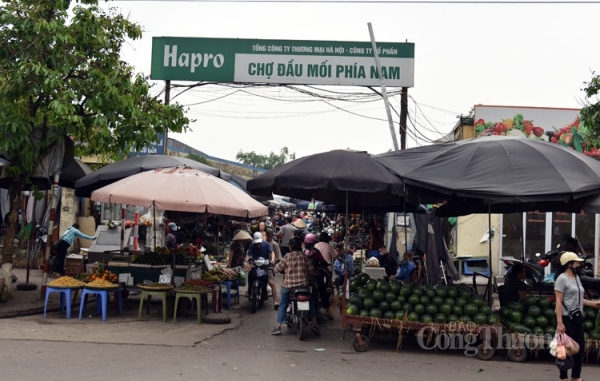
x: 360, y: 343
x: 517, y: 355
x: 484, y: 352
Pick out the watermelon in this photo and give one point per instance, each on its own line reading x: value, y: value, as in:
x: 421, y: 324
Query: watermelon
x: 363, y: 313
x: 390, y: 296
x: 405, y: 291
x: 549, y: 313
x: 441, y: 291
x: 452, y: 318
x: 426, y: 319
x: 529, y: 321
x: 465, y: 293
x: 425, y: 300
x: 550, y: 330
x: 355, y: 285
x: 378, y: 295
x: 588, y: 325
x: 363, y: 293
x: 461, y: 301
x: 414, y: 299
x: 543, y: 303
x: 476, y: 300
x: 534, y: 311
x: 506, y: 312
x: 369, y: 303
x: 470, y: 309
x: 538, y: 330
x: 486, y: 310
x: 440, y: 318
x: 401, y: 299
x: 418, y: 292
x: 457, y: 310
x: 430, y: 292
x: 356, y: 301
x: 493, y: 319
x: 396, y: 306
x: 389, y: 315
x: 438, y: 301
x: 541, y: 321
x: 413, y: 316
x: 520, y: 328
x: 446, y: 309
x: 363, y: 278
x: 376, y: 313
x: 464, y: 319
x: 590, y: 314
x: 480, y: 318
x: 420, y: 309
x: 594, y: 334
x: 431, y: 309
x: 383, y: 286
x: 384, y: 306
x: 518, y: 306
x: 516, y: 317
x: 449, y: 301
x: 352, y: 309
x: 395, y: 287
x: 371, y: 285
x: 452, y: 292
x: 400, y: 315
x: 407, y: 307
x: 531, y: 300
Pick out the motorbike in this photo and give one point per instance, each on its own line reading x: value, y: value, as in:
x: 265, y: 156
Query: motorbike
x: 258, y: 281
x: 298, y: 311
x: 324, y: 278
x: 535, y: 271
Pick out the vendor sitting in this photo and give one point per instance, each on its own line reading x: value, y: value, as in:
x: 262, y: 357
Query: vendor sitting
x: 405, y: 270
x: 514, y: 287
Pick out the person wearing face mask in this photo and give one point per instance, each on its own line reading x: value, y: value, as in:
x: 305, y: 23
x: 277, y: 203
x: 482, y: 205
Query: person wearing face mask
x: 569, y: 294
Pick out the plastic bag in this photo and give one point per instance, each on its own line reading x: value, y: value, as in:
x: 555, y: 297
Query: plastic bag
x: 242, y: 278
x: 566, y: 343
x: 564, y: 365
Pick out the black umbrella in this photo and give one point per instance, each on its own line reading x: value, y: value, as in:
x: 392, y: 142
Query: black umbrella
x: 337, y: 177
x: 125, y: 168
x: 496, y: 169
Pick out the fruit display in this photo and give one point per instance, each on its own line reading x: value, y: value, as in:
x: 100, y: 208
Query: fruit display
x: 391, y: 299
x: 162, y: 256
x: 196, y: 285
x: 537, y: 316
x: 218, y: 275
x: 155, y: 286
x: 101, y: 274
x: 101, y: 283
x: 66, y: 282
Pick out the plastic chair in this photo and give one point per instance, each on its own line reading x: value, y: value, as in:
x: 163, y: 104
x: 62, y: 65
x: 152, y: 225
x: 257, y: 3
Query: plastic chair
x: 148, y: 295
x: 229, y: 284
x: 101, y: 301
x: 65, y: 295
x: 191, y: 297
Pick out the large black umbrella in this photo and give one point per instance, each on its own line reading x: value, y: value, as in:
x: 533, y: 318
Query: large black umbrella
x: 340, y: 177
x: 496, y: 169
x: 125, y: 168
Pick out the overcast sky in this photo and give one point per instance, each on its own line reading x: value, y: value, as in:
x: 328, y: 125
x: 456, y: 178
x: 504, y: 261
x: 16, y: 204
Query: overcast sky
x: 465, y: 54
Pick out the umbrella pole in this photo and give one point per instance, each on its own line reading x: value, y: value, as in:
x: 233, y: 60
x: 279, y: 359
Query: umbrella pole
x: 405, y: 229
x: 136, y: 228
x: 490, y: 253
x: 123, y: 211
x: 154, y: 222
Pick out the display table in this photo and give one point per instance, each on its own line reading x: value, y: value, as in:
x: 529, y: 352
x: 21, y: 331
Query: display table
x: 148, y: 293
x: 140, y: 274
x: 198, y: 296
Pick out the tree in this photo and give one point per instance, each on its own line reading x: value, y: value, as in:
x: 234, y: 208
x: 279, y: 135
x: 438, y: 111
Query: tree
x: 590, y: 113
x: 201, y: 159
x: 61, y: 75
x: 264, y: 161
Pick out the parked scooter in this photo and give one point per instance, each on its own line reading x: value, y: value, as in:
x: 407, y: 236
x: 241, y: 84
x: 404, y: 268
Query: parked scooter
x: 257, y: 282
x: 535, y: 271
x: 298, y: 311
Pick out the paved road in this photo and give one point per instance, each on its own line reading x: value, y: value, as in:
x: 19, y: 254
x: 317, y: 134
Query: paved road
x: 59, y: 349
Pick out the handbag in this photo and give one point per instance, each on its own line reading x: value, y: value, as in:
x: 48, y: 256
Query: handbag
x: 55, y: 243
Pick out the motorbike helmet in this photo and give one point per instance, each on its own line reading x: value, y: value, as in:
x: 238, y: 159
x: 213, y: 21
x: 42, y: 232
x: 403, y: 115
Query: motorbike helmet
x: 544, y: 262
x: 310, y: 238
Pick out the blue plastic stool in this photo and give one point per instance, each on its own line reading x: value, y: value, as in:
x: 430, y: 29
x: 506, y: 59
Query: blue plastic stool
x: 101, y: 301
x: 65, y: 295
x: 235, y: 284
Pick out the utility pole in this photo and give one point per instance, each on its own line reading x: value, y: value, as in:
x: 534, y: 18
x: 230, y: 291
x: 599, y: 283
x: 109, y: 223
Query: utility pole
x: 167, y: 101
x: 403, y: 116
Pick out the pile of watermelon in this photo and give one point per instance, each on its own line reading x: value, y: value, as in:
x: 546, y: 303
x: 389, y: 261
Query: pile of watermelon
x: 391, y: 299
x: 537, y: 316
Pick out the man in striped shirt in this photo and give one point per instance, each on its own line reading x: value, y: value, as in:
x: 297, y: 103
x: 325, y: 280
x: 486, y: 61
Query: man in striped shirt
x: 297, y: 267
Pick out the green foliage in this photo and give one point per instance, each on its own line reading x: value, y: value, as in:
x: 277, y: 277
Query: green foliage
x: 199, y: 158
x: 61, y: 75
x: 590, y: 113
x: 263, y: 161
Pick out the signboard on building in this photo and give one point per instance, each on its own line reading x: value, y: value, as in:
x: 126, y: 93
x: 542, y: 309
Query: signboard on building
x: 281, y: 61
x: 556, y: 125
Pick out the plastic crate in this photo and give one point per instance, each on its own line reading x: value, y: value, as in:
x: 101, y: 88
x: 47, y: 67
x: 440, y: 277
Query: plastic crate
x: 473, y: 265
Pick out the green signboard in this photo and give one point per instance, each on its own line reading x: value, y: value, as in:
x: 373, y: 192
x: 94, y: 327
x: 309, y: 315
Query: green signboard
x: 281, y: 61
